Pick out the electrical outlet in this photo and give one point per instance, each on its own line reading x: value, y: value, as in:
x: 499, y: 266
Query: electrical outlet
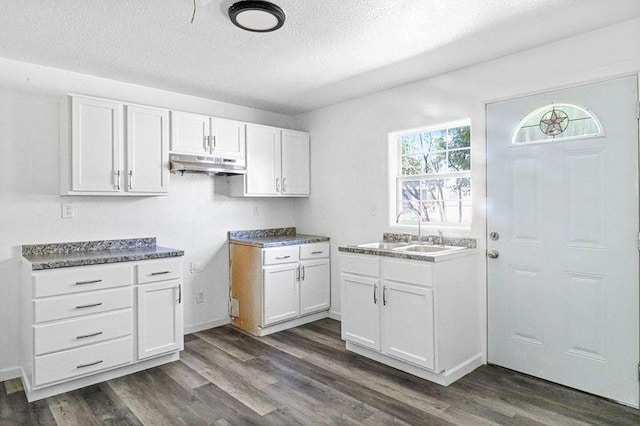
x: 67, y: 210
x: 195, y: 268
x: 200, y: 297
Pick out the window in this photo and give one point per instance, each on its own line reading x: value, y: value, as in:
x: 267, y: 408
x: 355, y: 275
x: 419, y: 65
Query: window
x: 432, y: 172
x: 556, y: 122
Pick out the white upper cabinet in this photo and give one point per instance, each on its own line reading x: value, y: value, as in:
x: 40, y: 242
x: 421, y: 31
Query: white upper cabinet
x: 295, y: 163
x: 263, y: 160
x: 189, y: 133
x: 104, y: 161
x: 147, y: 149
x: 204, y: 135
x: 96, y: 135
x: 277, y: 164
x: 227, y: 137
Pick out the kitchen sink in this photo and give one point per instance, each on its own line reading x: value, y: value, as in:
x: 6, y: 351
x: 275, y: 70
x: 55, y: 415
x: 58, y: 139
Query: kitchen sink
x: 383, y: 246
x: 423, y: 248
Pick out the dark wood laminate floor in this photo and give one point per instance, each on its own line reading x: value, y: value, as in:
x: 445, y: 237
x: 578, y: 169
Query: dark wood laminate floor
x: 304, y: 376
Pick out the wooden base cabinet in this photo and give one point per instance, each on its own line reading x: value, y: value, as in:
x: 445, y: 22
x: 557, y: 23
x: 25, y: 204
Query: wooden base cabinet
x: 276, y: 288
x: 420, y: 317
x: 83, y: 325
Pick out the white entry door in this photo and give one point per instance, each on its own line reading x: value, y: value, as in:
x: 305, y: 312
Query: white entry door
x: 563, y: 291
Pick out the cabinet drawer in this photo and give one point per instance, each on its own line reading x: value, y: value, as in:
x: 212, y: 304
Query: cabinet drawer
x: 55, y: 308
x: 82, y: 331
x: 82, y: 361
x: 361, y: 265
x: 83, y: 278
x: 275, y: 255
x: 159, y: 270
x: 314, y: 251
x: 406, y: 271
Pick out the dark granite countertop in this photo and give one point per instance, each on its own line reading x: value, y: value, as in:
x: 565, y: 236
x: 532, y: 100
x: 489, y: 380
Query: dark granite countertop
x: 84, y: 253
x: 275, y: 237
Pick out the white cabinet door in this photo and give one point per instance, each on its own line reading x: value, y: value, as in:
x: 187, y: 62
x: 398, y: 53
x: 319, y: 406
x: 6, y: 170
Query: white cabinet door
x: 228, y: 137
x: 281, y: 298
x: 408, y: 323
x: 189, y: 133
x: 147, y: 149
x: 96, y: 138
x: 263, y: 160
x: 361, y: 310
x: 315, y: 286
x: 160, y: 318
x: 295, y: 163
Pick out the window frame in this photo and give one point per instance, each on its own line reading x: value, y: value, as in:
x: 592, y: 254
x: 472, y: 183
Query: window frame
x: 396, y: 178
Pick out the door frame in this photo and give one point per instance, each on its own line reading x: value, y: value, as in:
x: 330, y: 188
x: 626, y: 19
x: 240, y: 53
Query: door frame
x: 635, y: 74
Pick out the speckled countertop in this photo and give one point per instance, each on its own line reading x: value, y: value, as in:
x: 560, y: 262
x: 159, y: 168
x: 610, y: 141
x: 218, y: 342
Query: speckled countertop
x: 469, y: 247
x: 83, y: 253
x: 274, y: 237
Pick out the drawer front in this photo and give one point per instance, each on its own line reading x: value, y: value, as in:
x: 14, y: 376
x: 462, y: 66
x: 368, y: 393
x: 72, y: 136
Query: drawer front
x: 82, y: 278
x: 361, y: 265
x: 61, y: 307
x: 406, y: 271
x: 314, y: 251
x: 82, y: 361
x: 70, y: 334
x: 276, y: 255
x: 159, y: 270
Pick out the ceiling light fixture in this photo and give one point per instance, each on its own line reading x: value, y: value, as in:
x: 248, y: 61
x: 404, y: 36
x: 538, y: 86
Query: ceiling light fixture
x: 257, y: 16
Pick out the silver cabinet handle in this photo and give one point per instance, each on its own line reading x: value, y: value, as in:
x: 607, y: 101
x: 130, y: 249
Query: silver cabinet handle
x: 298, y: 274
x: 303, y: 273
x: 160, y: 273
x: 179, y: 294
x: 130, y: 179
x: 317, y: 252
x: 384, y: 295
x: 88, y: 282
x: 284, y: 184
x: 278, y: 184
x: 205, y: 141
x: 90, y: 364
x: 282, y: 257
x: 89, y: 335
x: 92, y: 305
x: 375, y: 294
x: 214, y: 143
x: 117, y: 179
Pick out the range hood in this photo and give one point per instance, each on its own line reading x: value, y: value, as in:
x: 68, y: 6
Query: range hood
x: 204, y: 164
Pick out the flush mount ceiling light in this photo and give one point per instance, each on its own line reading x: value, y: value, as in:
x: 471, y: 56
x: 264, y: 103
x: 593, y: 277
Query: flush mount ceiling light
x: 257, y: 16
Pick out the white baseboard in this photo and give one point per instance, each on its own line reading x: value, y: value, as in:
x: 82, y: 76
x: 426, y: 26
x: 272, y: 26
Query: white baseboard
x: 206, y: 325
x: 9, y: 373
x: 335, y: 315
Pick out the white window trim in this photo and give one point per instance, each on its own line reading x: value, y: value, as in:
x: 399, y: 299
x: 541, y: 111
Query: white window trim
x: 393, y: 155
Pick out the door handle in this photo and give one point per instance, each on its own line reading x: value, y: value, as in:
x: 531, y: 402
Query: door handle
x: 375, y: 296
x: 384, y: 295
x: 493, y: 254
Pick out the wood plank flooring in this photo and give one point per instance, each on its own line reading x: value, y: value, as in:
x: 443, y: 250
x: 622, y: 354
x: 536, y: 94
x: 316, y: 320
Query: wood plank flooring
x: 304, y: 376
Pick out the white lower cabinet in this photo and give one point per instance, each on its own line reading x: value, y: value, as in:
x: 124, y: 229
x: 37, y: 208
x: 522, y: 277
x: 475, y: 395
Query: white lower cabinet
x: 160, y: 327
x: 276, y: 288
x: 407, y: 321
x: 418, y: 316
x: 281, y: 293
x: 79, y: 324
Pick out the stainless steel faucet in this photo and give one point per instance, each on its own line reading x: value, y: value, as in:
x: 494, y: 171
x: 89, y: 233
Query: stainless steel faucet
x: 440, y: 238
x: 417, y: 213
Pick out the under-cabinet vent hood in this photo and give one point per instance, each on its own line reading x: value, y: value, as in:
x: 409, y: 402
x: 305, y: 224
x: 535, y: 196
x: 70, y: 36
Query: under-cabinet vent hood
x: 205, y: 164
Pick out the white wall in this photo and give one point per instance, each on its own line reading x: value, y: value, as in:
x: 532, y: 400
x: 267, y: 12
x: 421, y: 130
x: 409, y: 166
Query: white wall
x: 195, y: 216
x: 349, y: 183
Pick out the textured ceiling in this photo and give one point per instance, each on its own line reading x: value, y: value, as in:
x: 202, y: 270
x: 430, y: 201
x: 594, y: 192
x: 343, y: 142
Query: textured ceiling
x: 328, y: 51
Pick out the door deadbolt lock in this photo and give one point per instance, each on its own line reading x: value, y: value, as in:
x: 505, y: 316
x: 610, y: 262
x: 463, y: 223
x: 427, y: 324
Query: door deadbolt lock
x: 493, y: 254
x: 494, y: 236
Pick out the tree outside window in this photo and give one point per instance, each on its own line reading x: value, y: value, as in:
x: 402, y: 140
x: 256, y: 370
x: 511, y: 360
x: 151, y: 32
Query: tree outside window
x: 434, y: 176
